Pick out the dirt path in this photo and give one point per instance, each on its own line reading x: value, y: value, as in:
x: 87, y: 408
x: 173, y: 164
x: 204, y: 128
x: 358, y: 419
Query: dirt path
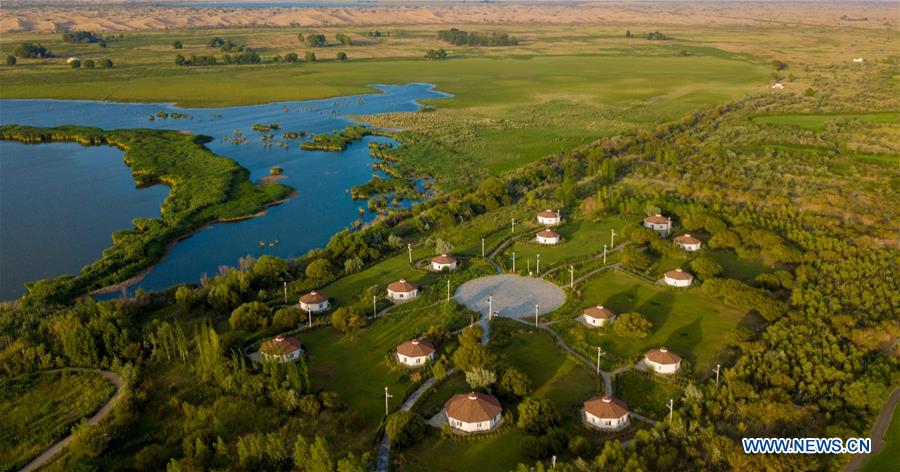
x: 51, y: 452
x: 877, y: 433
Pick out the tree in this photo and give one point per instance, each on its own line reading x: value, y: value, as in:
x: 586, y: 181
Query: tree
x: 10, y: 60
x: 628, y: 34
x: 223, y: 298
x: 435, y: 54
x: 319, y: 457
x: 177, y: 44
x: 350, y: 464
x: 705, y: 268
x: 74, y: 63
x: 342, y: 56
x: 353, y: 265
x: 179, y: 60
x: 480, y: 378
x: 632, y: 325
x: 438, y: 370
x: 404, y: 428
x: 514, y: 384
x: 288, y: 317
x: 537, y: 416
x: 268, y: 271
x: 442, y: 247
x: 89, y: 63
x: 779, y: 65
x: 347, y: 320
x: 309, y: 56
x: 316, y: 41
x: 106, y: 63
x: 187, y: 298
x: 318, y: 269
x: 250, y: 316
x: 88, y: 440
x: 291, y: 57
x: 809, y: 92
x: 471, y: 353
x: 631, y: 258
x: 31, y: 50
x: 343, y: 39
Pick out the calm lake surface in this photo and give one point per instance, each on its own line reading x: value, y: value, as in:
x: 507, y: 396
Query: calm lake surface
x: 50, y: 196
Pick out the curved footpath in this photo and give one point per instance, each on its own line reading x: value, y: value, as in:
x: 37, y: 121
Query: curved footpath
x: 882, y: 422
x: 51, y: 452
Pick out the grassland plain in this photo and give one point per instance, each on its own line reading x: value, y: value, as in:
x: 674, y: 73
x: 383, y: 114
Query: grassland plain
x: 555, y: 376
x: 39, y: 409
x: 689, y: 323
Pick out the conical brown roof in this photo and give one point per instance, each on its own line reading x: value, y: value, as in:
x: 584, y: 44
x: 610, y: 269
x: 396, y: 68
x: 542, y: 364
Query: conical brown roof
x: 443, y: 259
x: 548, y: 233
x: 656, y: 219
x: 402, y: 285
x: 663, y: 356
x: 314, y: 298
x: 548, y: 214
x: 473, y: 407
x: 679, y: 274
x: 599, y: 312
x: 606, y: 408
x: 280, y: 346
x: 687, y: 239
x: 416, y: 348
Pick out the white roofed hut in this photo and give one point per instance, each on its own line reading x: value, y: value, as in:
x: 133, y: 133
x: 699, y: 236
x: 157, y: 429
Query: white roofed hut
x: 662, y: 361
x: 688, y: 242
x: 678, y: 278
x: 547, y: 236
x: 314, y: 302
x: 402, y: 290
x: 598, y: 316
x: 415, y: 353
x: 281, y: 349
x: 549, y: 218
x: 473, y: 412
x: 660, y: 223
x: 443, y: 262
x: 606, y: 413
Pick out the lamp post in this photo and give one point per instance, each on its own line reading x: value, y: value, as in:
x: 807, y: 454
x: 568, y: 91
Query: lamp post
x: 482, y: 248
x: 285, y: 292
x: 571, y: 276
x: 604, y: 254
x: 536, y: 308
x: 671, y: 406
x: 716, y: 370
x: 612, y: 238
x: 386, y: 396
x: 409, y: 248
x: 448, y: 291
x: 514, y: 262
x: 599, y: 353
x: 538, y: 265
x: 490, y: 306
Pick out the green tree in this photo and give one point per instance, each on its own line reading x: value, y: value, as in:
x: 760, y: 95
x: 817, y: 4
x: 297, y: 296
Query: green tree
x: 89, y: 63
x: 438, y: 370
x: 319, y: 269
x: 633, y: 259
x: 177, y: 44
x: 223, y: 298
x: 250, y: 316
x: 106, y: 63
x: 514, y: 384
x: 187, y: 298
x: 74, y: 63
x: 10, y: 60
x: 350, y: 464
x: 316, y: 41
x: 705, y: 268
x: 180, y: 60
x: 404, y: 428
x: 342, y: 56
x: 343, y: 39
x: 537, y: 415
x: 632, y: 325
x: 291, y: 57
x: 319, y: 457
x: 288, y: 317
x: 31, y: 50
x: 268, y: 271
x: 353, y: 265
x: 480, y: 378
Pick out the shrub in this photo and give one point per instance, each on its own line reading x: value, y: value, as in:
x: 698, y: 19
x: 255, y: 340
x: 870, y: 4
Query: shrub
x: 404, y: 428
x: 632, y: 325
x: 89, y: 63
x: 342, y: 56
x: 288, y: 317
x: 250, y: 316
x: 705, y: 268
x: 10, y: 60
x: 32, y: 50
x: 633, y: 259
x: 514, y: 384
x: 537, y: 416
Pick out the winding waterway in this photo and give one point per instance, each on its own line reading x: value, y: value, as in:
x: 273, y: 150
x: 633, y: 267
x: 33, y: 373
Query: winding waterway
x: 33, y: 175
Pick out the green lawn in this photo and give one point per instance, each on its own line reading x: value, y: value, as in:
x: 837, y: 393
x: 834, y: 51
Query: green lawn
x: 818, y: 121
x: 889, y: 458
x: 686, y: 321
x: 580, y: 239
x: 566, y: 382
x: 733, y: 266
x: 39, y: 409
x: 347, y: 289
x: 645, y: 395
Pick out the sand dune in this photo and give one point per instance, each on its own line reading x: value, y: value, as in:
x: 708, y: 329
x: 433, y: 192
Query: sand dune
x: 45, y: 19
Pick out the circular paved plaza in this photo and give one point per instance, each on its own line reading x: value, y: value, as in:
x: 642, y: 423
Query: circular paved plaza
x: 513, y: 295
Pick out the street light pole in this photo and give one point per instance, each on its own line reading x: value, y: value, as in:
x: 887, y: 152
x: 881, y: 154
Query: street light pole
x: 386, y: 396
x: 448, y: 291
x: 374, y: 307
x: 604, y: 254
x: 490, y: 306
x: 571, y: 276
x: 612, y: 238
x: 409, y: 248
x: 539, y: 265
x: 482, y: 248
x: 285, y: 292
x: 671, y: 406
x: 536, y: 308
x: 599, y: 353
x: 718, y: 366
x: 514, y: 262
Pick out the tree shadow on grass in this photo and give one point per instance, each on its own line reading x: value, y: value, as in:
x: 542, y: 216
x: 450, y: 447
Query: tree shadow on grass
x: 623, y: 301
x: 686, y: 339
x: 657, y: 308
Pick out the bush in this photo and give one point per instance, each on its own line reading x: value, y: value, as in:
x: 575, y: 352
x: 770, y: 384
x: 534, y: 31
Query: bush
x: 250, y: 316
x: 537, y: 416
x: 75, y: 63
x: 342, y: 56
x: 705, y: 268
x: 223, y: 298
x: 177, y: 44
x: 32, y: 50
x: 347, y: 320
x: 404, y: 428
x: 89, y: 63
x: 309, y: 56
x: 10, y: 60
x: 288, y: 317
x: 632, y: 325
x: 514, y: 384
x: 633, y: 259
x: 316, y: 41
x: 318, y: 269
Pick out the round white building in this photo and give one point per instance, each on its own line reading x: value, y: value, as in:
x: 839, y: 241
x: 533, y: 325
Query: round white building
x: 678, y: 278
x: 549, y: 218
x: 402, y: 290
x: 314, y: 302
x: 547, y: 236
x: 473, y: 412
x: 598, y: 316
x: 658, y: 223
x: 443, y: 262
x: 662, y: 361
x: 688, y: 243
x: 415, y: 353
x: 606, y: 413
x: 281, y: 349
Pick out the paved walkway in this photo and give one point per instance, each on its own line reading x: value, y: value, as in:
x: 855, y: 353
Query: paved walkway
x: 877, y: 433
x: 50, y: 453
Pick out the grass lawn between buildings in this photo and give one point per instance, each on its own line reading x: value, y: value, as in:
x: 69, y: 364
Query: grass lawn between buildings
x: 889, y: 458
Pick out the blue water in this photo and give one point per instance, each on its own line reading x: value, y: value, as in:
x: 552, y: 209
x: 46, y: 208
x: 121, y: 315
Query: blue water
x: 323, y: 179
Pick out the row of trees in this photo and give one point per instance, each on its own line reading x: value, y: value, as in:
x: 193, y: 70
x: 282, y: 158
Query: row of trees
x: 87, y: 63
x: 459, y: 37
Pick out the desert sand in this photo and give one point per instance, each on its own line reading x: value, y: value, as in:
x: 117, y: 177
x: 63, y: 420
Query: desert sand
x: 116, y: 17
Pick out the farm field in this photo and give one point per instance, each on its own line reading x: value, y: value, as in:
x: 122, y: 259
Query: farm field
x: 691, y: 324
x: 39, y: 409
x: 818, y: 122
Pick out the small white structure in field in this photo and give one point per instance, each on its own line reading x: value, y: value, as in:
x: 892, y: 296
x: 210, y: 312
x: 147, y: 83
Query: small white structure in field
x: 598, y: 316
x: 71, y: 60
x: 662, y: 361
x: 857, y: 60
x: 606, y: 413
x: 658, y: 223
x: 314, y: 302
x: 443, y: 262
x: 678, y: 278
x: 778, y: 86
x: 548, y: 236
x: 688, y: 243
x: 415, y: 353
x: 473, y: 412
x: 549, y: 218
x: 402, y: 290
x: 281, y: 349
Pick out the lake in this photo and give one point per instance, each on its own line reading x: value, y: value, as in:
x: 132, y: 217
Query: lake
x: 37, y: 183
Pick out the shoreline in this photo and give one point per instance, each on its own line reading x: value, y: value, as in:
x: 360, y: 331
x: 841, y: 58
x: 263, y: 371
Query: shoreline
x: 143, y: 273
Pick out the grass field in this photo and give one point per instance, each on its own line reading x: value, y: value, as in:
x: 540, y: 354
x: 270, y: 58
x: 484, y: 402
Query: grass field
x: 818, y: 122
x: 889, y: 457
x: 689, y: 323
x: 580, y: 239
x: 733, y: 266
x: 645, y: 395
x: 39, y: 409
x: 555, y: 376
